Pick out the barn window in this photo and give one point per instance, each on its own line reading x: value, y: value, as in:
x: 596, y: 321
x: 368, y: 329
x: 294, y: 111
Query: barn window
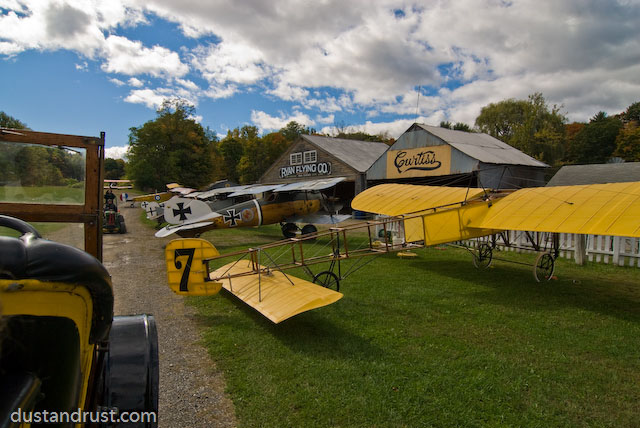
x: 310, y: 156
x: 295, y: 158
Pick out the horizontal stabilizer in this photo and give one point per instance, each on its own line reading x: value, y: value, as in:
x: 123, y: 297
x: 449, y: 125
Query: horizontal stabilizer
x: 275, y: 295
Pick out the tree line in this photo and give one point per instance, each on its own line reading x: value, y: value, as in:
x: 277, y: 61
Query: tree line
x: 543, y: 132
x: 173, y: 147
x: 29, y: 165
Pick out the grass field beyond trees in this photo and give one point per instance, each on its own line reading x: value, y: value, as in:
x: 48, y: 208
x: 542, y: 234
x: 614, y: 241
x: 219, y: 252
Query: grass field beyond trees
x: 432, y: 341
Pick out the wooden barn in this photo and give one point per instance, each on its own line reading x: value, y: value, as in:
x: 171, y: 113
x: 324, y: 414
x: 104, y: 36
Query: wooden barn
x: 439, y: 156
x: 314, y: 156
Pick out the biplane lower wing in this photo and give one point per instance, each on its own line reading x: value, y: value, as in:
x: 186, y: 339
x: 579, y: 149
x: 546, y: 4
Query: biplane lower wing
x: 276, y: 295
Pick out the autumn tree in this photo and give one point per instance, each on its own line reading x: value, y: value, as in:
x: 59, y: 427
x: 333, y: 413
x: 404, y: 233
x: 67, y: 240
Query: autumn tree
x: 628, y: 144
x: 171, y: 148
x: 528, y: 125
x: 259, y: 155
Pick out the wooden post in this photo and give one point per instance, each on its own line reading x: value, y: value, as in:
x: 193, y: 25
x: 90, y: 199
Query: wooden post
x: 580, y: 245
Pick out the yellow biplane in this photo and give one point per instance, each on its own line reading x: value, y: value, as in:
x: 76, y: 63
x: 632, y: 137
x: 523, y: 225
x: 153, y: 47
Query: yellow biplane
x: 425, y: 216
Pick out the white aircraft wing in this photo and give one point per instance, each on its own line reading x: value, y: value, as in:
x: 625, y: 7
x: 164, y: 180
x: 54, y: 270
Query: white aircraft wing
x: 210, y: 193
x: 319, y: 218
x: 320, y: 184
x: 169, y: 230
x: 255, y: 189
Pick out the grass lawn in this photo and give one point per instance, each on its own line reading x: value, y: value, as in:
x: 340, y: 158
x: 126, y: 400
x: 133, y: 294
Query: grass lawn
x: 42, y: 194
x: 432, y: 341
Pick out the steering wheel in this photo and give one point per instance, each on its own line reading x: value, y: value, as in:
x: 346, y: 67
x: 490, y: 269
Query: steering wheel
x: 18, y: 225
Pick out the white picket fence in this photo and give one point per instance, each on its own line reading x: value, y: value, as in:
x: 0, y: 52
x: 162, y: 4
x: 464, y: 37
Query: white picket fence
x: 615, y: 250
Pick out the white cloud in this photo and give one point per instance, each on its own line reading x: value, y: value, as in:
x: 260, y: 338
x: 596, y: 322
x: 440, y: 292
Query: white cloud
x: 149, y: 97
x: 135, y: 82
x: 117, y: 152
x: 230, y: 63
x: 266, y: 122
x: 333, y: 58
x: 129, y: 57
x: 116, y: 82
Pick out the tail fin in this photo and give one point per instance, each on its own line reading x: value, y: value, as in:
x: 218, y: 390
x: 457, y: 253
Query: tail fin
x: 186, y: 272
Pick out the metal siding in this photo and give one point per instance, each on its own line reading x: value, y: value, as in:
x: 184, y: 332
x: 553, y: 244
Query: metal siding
x: 469, y: 153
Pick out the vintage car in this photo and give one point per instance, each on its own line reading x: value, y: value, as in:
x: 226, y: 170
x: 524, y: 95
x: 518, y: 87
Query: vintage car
x: 65, y: 360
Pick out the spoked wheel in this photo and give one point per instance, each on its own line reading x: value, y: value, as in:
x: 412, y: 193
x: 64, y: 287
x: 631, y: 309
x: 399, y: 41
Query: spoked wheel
x: 545, y: 265
x: 483, y: 256
x: 309, y: 230
x: 327, y: 279
x: 289, y: 230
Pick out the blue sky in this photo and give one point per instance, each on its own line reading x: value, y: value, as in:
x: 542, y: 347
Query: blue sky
x: 82, y: 67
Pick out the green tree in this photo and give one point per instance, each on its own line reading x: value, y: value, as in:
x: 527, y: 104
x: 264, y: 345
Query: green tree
x: 528, y: 125
x: 231, y: 150
x: 628, y: 144
x: 632, y: 114
x: 259, y: 155
x: 459, y: 126
x: 596, y: 142
x: 7, y: 121
x: 114, y: 169
x: 446, y: 125
x: 293, y: 130
x: 171, y: 148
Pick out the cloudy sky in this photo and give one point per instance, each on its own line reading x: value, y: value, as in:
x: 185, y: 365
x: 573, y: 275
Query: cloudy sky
x: 85, y: 66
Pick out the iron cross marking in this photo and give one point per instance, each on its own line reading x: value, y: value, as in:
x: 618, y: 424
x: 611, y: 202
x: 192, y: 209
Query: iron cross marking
x: 232, y: 217
x: 181, y: 211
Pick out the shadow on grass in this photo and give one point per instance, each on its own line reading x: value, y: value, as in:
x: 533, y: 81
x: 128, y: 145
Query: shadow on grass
x: 310, y: 333
x: 513, y: 285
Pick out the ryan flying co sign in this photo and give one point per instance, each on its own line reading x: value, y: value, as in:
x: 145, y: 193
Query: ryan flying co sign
x: 420, y: 162
x: 306, y: 170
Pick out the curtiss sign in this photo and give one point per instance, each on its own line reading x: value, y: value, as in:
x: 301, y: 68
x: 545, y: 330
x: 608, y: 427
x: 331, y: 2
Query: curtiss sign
x: 420, y: 162
x: 318, y: 168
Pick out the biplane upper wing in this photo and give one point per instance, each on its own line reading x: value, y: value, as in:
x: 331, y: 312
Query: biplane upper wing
x: 299, y: 186
x: 596, y: 209
x: 399, y: 199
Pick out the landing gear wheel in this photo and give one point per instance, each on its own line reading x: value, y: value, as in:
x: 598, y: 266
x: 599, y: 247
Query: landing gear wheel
x: 309, y: 230
x: 483, y: 256
x: 545, y: 265
x: 327, y: 279
x: 289, y: 230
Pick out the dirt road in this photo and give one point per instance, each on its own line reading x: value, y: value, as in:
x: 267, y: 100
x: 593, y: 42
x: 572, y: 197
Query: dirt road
x: 191, y: 389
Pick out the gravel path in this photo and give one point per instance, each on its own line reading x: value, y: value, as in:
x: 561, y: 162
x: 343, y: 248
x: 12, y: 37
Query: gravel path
x: 191, y: 389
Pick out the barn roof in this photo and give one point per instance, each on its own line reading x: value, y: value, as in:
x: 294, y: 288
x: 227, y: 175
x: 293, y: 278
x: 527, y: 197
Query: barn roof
x: 359, y: 155
x: 570, y: 175
x: 482, y: 147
